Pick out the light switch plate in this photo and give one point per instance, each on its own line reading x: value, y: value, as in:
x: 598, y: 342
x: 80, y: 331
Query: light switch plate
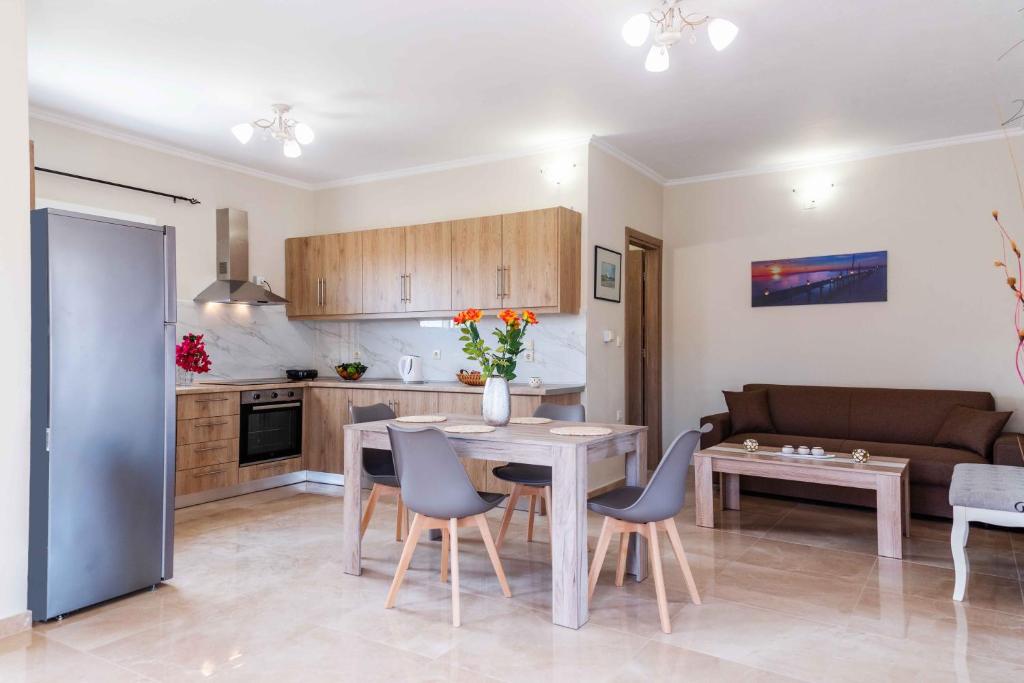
x: 436, y: 355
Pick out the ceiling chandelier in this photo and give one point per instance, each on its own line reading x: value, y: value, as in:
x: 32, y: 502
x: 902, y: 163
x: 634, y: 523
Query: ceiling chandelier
x: 670, y: 21
x: 291, y: 133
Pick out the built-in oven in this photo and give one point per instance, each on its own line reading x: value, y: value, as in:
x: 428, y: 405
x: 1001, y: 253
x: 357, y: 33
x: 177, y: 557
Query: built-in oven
x: 271, y: 425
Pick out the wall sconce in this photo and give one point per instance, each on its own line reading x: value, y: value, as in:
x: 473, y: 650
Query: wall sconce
x: 558, y: 172
x: 813, y: 193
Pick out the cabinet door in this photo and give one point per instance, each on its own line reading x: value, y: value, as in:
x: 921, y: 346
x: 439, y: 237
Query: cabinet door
x: 415, y: 403
x: 529, y: 248
x: 303, y: 273
x: 326, y: 414
x: 476, y: 261
x: 428, y: 266
x: 383, y: 270
x: 342, y: 271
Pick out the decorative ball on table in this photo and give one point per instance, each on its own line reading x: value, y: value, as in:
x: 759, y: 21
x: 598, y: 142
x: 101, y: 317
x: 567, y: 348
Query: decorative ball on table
x: 860, y: 455
x: 751, y: 445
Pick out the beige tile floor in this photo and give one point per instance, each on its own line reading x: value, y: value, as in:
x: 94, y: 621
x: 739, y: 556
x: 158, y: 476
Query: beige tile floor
x: 792, y: 591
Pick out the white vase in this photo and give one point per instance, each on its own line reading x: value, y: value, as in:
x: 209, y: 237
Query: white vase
x: 497, y: 404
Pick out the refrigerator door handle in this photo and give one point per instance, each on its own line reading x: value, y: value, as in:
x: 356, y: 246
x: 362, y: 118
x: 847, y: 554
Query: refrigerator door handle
x: 170, y: 441
x: 170, y: 276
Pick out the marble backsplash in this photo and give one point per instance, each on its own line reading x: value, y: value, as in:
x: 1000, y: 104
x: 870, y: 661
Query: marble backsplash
x: 260, y: 341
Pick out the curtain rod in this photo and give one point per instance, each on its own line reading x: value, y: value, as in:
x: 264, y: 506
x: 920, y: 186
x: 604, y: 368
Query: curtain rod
x: 173, y: 197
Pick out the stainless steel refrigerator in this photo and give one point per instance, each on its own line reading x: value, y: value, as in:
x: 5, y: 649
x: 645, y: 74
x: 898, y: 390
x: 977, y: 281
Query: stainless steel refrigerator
x: 103, y: 410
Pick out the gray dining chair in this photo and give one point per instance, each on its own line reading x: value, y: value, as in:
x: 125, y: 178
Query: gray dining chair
x: 534, y: 480
x: 437, y: 489
x: 379, y: 468
x: 641, y: 510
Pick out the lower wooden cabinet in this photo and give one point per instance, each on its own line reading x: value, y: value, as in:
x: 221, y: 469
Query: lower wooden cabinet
x: 269, y: 469
x: 207, y: 478
x: 190, y: 456
x: 206, y: 429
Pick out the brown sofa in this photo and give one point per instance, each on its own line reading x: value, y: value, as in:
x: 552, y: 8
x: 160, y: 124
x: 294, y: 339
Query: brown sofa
x: 894, y: 422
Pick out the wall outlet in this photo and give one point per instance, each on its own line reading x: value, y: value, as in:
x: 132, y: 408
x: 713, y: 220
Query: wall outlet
x: 618, y: 416
x: 528, y: 356
x: 356, y: 355
x: 436, y: 355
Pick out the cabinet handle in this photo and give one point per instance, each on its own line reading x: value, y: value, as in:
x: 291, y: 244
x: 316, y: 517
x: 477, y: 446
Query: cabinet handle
x: 207, y: 474
x: 398, y: 407
x: 506, y: 278
x: 408, y: 287
x: 321, y: 287
x: 497, y: 284
x: 211, y: 400
x: 211, y: 424
x: 211, y: 448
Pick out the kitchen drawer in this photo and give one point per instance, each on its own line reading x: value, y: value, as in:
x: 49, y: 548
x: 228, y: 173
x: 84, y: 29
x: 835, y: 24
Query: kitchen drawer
x: 205, y: 478
x: 206, y: 429
x: 269, y: 469
x: 208, y: 405
x: 194, y: 455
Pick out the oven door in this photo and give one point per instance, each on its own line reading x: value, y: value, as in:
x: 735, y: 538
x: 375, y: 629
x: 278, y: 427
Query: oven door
x: 270, y: 431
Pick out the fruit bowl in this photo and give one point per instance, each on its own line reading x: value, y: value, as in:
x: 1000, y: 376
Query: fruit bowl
x: 350, y: 372
x: 472, y: 378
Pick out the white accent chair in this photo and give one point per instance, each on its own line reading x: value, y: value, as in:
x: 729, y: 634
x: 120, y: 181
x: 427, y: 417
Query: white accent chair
x: 993, y: 494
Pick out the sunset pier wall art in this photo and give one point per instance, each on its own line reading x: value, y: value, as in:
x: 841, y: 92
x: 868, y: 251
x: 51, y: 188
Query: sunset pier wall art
x: 834, y: 279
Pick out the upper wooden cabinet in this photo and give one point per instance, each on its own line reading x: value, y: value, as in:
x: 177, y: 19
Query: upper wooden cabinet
x: 323, y: 275
x: 529, y: 259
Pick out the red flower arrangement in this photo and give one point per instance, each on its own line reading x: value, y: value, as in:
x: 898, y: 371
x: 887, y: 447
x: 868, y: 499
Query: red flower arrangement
x: 190, y: 355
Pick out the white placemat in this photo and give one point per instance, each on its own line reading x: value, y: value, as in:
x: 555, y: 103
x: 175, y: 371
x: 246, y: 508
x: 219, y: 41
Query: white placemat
x: 530, y: 420
x: 581, y: 431
x: 469, y: 429
x: 421, y: 418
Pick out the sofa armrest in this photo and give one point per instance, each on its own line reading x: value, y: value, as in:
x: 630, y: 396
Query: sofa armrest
x: 721, y: 428
x: 1008, y: 449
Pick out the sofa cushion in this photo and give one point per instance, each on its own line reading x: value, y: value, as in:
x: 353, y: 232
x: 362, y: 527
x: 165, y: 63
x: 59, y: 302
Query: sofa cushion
x: 748, y: 411
x: 814, y: 411
x: 907, y: 415
x: 929, y: 465
x: 975, y: 430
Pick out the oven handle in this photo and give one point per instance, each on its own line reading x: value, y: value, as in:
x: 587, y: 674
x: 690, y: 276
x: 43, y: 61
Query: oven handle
x: 273, y: 406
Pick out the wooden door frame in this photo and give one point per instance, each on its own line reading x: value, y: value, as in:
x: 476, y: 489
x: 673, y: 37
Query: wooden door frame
x: 652, y: 322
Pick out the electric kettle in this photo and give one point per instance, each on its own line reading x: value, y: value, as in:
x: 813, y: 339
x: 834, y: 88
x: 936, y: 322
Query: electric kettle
x: 410, y: 369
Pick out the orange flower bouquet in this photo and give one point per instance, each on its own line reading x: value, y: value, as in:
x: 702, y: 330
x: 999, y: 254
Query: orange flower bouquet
x: 501, y: 360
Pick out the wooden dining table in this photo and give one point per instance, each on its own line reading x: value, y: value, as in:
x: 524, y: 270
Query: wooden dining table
x: 568, y: 457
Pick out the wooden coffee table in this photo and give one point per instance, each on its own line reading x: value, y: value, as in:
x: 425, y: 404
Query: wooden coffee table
x: 889, y: 477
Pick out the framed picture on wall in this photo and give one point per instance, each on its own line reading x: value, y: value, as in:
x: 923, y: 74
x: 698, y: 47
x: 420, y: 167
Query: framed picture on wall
x: 607, y: 274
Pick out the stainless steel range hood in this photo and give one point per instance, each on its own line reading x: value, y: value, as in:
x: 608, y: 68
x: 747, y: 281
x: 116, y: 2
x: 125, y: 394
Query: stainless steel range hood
x: 232, y: 285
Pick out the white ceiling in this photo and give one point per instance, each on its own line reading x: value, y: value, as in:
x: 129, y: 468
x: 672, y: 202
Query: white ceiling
x: 393, y: 84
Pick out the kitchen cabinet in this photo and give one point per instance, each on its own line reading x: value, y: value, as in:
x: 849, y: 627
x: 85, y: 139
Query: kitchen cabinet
x: 269, y: 469
x: 208, y: 478
x: 190, y: 456
x: 208, y: 405
x: 325, y: 412
x: 323, y: 275
x: 530, y: 259
x: 384, y: 270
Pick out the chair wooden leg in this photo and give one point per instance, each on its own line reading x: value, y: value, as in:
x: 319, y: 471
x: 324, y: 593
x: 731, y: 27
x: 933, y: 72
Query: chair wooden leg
x: 492, y: 552
x: 659, y: 578
x: 510, y: 507
x: 620, y: 569
x: 399, y: 526
x: 599, y: 553
x: 370, y: 505
x: 677, y: 546
x: 403, y: 562
x: 445, y: 543
x: 453, y: 533
x: 529, y: 524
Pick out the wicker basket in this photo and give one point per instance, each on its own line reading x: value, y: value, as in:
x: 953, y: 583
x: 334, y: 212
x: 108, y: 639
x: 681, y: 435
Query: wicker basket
x: 471, y: 379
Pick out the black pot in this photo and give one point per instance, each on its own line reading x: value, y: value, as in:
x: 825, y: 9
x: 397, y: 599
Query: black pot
x: 301, y: 374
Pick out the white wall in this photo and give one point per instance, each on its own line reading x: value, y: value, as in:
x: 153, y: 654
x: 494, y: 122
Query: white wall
x: 948, y: 319
x: 276, y: 210
x: 14, y: 279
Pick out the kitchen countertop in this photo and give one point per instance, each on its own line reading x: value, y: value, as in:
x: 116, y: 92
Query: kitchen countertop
x: 515, y: 388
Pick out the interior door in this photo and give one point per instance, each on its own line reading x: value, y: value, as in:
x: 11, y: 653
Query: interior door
x: 342, y: 272
x: 428, y: 264
x: 476, y: 263
x: 303, y: 272
x: 529, y: 249
x: 383, y: 270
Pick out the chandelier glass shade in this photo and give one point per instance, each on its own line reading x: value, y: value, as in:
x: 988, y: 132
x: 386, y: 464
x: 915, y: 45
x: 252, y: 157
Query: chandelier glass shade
x: 290, y: 133
x: 668, y: 22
